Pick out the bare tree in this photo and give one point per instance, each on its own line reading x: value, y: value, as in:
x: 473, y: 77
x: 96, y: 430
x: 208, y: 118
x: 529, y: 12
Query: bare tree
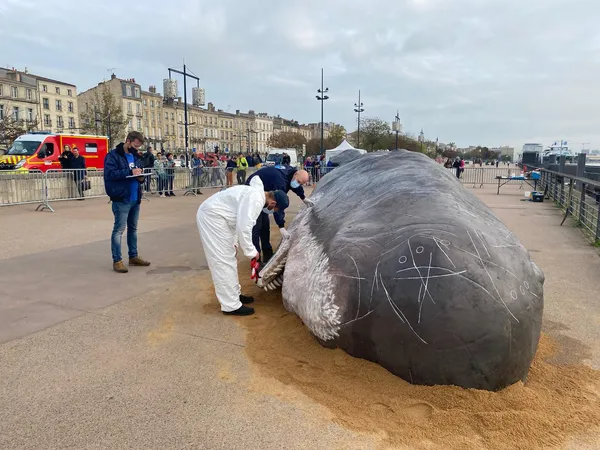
x: 10, y: 129
x: 287, y: 139
x: 104, y: 116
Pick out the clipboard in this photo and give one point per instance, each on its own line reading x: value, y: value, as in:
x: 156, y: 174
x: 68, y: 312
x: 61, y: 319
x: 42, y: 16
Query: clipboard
x: 140, y: 175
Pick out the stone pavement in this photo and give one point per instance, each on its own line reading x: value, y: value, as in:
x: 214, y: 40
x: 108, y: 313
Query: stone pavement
x: 93, y: 359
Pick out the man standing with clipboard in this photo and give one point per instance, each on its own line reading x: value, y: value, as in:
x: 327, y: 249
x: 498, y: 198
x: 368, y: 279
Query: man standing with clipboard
x: 123, y: 181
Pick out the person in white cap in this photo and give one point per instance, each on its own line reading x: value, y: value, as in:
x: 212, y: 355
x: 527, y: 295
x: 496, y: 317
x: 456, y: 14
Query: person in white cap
x: 224, y: 220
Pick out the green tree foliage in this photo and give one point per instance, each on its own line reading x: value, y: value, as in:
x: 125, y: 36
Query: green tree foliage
x: 337, y: 134
x: 287, y: 139
x: 104, y: 116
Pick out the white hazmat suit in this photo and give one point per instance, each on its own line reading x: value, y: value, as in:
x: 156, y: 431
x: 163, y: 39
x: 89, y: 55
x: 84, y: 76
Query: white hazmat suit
x: 224, y: 220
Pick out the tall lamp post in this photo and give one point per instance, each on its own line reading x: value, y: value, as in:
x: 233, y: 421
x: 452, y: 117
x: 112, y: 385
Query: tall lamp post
x: 421, y: 139
x: 358, y: 108
x: 397, y: 127
x: 185, y: 109
x: 322, y: 97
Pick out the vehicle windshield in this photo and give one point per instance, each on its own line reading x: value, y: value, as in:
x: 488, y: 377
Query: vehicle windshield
x: 26, y: 148
x: 272, y: 157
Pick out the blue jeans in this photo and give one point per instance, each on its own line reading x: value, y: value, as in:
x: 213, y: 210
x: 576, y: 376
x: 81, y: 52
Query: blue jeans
x: 126, y: 214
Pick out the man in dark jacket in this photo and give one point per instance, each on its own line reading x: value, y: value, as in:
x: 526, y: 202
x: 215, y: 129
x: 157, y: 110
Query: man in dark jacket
x: 147, y: 162
x: 125, y: 191
x: 276, y: 179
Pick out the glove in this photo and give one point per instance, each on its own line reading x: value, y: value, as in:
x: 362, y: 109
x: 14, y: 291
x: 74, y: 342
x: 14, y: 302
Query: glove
x: 308, y: 202
x: 284, y: 233
x: 254, y: 269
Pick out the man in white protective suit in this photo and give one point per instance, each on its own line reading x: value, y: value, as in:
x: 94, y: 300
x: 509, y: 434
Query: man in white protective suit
x: 226, y: 219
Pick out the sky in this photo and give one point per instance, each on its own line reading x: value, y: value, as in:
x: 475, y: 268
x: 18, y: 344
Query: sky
x: 473, y: 72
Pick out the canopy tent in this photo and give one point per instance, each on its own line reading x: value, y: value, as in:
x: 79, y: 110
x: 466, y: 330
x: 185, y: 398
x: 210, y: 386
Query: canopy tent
x: 341, y: 148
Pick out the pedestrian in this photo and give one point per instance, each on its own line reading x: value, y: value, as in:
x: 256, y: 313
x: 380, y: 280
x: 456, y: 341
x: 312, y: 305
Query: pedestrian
x: 456, y: 166
x: 231, y: 165
x: 148, y: 159
x: 276, y: 179
x: 125, y: 191
x: 225, y: 220
x: 65, y: 158
x: 78, y: 167
x: 196, y: 173
x: 161, y: 174
x: 242, y: 165
x: 170, y: 169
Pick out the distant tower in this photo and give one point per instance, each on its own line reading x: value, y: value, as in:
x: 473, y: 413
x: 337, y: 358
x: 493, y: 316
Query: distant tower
x: 198, y: 96
x: 170, y: 88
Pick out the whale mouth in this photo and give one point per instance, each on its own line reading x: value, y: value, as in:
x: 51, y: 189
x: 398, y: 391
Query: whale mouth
x: 271, y: 275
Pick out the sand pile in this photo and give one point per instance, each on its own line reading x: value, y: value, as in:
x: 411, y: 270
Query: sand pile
x: 557, y: 403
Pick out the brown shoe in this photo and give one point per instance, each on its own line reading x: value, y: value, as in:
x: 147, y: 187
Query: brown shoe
x: 120, y: 267
x: 137, y: 261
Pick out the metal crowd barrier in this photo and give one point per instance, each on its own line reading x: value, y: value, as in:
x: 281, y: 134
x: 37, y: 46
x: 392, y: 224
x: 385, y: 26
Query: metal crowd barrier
x: 54, y: 185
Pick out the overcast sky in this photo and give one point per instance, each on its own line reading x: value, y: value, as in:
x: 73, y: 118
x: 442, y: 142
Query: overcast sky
x: 476, y: 72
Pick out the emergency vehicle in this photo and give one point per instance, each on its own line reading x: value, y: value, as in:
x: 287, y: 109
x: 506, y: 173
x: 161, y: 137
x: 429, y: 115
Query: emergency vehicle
x: 39, y: 151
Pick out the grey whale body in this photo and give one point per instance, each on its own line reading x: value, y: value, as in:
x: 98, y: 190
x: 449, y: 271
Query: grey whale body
x: 399, y: 264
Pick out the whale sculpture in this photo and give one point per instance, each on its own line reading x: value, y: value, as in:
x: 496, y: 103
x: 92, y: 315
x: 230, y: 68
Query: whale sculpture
x: 397, y: 263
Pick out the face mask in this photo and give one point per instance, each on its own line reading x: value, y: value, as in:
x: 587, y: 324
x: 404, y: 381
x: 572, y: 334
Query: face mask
x: 294, y: 184
x: 268, y: 211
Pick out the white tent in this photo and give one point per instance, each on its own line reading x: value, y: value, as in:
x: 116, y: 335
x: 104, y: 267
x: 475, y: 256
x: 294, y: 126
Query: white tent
x: 341, y: 148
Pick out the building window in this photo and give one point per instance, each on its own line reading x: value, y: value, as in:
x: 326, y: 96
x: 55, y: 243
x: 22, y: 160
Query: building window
x: 166, y: 130
x: 166, y: 116
x: 46, y: 103
x: 130, y: 124
x: 59, y: 122
x: 145, y: 115
x: 151, y: 103
x: 172, y: 116
x: 30, y: 115
x: 153, y: 117
x: 206, y: 132
x: 159, y: 133
x: 14, y: 92
x: 71, y: 122
x: 44, y: 88
x: 57, y: 90
x: 173, y: 129
x: 69, y: 92
x: 1, y: 111
x: 137, y: 92
x: 1, y: 90
x: 139, y: 127
x: 16, y: 113
x: 138, y: 108
x: 70, y: 107
x: 58, y: 105
x: 145, y: 102
x: 146, y: 132
x: 28, y: 94
x: 129, y: 109
x: 47, y: 121
x: 128, y: 91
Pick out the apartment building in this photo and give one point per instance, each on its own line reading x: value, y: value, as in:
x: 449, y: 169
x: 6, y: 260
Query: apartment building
x: 152, y: 117
x: 128, y: 95
x: 18, y: 96
x: 44, y: 103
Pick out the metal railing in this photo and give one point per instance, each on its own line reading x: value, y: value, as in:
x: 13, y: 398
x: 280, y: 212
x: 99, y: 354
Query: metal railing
x: 55, y: 185
x: 577, y: 197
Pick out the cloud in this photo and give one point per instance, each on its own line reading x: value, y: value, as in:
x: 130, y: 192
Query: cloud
x: 471, y: 71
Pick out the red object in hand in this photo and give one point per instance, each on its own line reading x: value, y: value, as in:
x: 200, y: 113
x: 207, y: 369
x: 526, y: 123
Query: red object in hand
x: 255, y: 269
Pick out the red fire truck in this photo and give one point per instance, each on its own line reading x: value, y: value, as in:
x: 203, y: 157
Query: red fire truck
x: 39, y: 151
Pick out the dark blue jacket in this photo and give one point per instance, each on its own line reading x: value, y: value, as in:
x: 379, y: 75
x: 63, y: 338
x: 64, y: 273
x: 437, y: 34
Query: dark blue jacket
x: 116, y: 169
x: 275, y: 179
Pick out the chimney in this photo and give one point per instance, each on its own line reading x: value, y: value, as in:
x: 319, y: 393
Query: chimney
x: 178, y: 99
x: 113, y: 76
x: 237, y: 112
x: 211, y: 107
x: 152, y: 89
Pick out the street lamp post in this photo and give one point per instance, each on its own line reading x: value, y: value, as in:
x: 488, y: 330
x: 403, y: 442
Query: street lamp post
x: 185, y: 109
x: 421, y: 139
x: 322, y: 97
x: 397, y: 127
x: 358, y: 108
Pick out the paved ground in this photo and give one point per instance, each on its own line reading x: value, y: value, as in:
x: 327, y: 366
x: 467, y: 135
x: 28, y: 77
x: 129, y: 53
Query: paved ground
x: 93, y: 359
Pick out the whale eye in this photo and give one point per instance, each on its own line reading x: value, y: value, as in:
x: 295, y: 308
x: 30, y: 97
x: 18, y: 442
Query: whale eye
x: 420, y: 250
x: 402, y: 259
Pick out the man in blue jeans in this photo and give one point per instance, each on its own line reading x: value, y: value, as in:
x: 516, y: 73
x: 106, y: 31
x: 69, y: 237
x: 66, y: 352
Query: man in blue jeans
x: 126, y: 196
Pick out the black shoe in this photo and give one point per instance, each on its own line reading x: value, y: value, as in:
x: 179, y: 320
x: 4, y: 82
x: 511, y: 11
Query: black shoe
x: 172, y: 194
x: 267, y: 255
x: 167, y: 194
x: 246, y: 299
x: 241, y: 311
